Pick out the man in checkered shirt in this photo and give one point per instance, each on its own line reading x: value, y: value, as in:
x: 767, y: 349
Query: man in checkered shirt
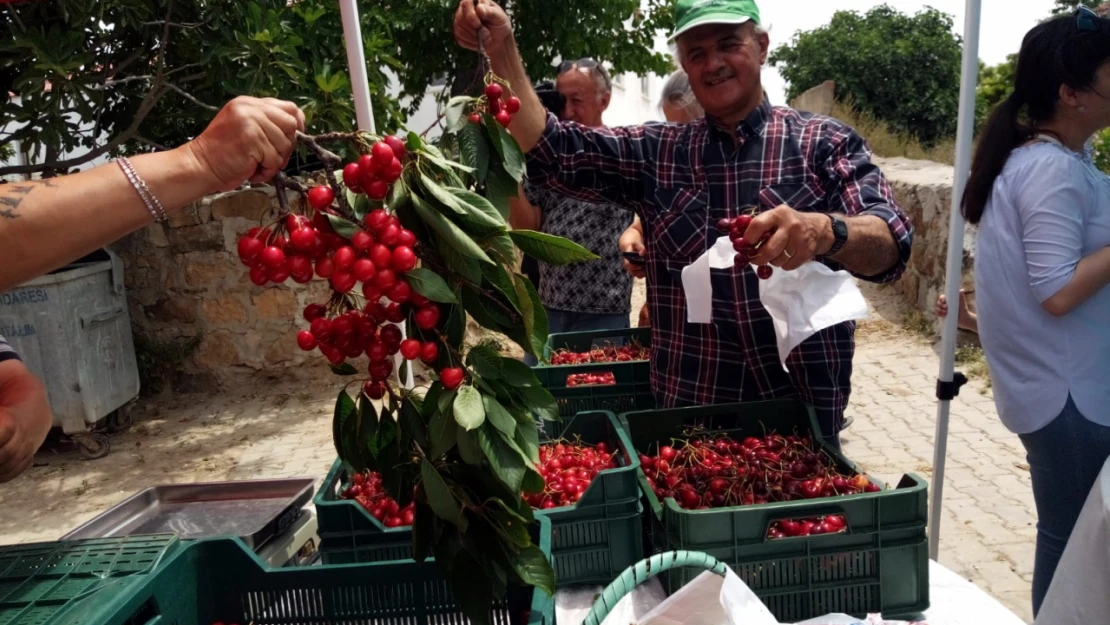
x: 819, y: 195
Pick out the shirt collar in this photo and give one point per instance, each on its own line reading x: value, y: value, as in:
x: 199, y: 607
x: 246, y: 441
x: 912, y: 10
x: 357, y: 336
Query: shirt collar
x: 753, y: 125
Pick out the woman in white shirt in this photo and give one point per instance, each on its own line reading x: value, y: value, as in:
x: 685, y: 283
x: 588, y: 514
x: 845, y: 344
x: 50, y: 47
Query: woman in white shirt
x: 1042, y: 265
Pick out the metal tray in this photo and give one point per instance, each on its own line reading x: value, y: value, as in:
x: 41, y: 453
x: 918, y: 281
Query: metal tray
x: 254, y: 510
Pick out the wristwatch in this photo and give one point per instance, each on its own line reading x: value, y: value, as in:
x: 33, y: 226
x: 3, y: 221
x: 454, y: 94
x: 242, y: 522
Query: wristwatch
x: 840, y: 235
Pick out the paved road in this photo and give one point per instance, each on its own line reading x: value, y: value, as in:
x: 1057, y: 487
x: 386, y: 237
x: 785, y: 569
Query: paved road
x: 281, y: 427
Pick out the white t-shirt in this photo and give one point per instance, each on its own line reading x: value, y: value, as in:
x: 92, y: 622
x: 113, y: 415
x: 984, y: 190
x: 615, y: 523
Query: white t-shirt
x: 1050, y: 207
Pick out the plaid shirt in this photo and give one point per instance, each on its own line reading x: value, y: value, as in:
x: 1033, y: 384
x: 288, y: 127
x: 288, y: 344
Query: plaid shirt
x: 681, y: 180
x: 6, y: 351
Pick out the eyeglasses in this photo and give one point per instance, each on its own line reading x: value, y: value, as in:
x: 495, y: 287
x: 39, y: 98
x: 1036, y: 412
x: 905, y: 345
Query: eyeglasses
x: 1086, y: 19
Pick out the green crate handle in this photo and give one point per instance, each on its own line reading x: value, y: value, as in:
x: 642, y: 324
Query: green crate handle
x: 645, y: 570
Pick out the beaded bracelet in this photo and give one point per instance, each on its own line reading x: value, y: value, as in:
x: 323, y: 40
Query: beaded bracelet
x: 153, y: 206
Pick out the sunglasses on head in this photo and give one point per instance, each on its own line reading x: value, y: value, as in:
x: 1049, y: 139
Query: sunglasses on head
x: 584, y: 63
x: 1086, y: 19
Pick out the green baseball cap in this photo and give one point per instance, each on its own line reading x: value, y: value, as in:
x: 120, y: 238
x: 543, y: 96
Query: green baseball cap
x: 693, y: 13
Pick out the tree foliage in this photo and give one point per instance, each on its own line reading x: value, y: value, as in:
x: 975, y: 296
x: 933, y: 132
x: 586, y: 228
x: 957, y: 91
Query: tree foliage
x: 1067, y: 6
x: 901, y: 69
x: 996, y: 83
x: 140, y: 74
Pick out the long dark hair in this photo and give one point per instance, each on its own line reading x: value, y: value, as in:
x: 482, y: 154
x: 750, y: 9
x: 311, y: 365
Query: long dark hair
x: 1056, y: 52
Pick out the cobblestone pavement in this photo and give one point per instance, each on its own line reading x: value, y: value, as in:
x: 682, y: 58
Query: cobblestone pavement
x: 281, y: 427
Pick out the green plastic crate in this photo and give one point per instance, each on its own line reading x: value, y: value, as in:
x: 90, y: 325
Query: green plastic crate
x: 632, y: 390
x: 599, y: 536
x: 879, y: 565
x: 222, y: 580
x: 59, y: 582
x: 348, y: 533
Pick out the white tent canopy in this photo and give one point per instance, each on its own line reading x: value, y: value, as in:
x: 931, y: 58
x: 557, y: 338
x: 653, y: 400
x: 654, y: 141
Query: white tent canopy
x: 969, y: 77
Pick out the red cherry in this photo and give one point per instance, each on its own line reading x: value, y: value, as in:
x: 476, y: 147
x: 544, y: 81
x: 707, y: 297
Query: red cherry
x: 352, y: 175
x: 667, y: 453
x: 742, y: 222
x: 343, y: 281
x: 396, y: 145
x: 366, y: 167
x: 381, y: 255
x: 374, y: 390
x: 494, y: 91
x: 426, y: 318
x: 377, y: 190
x: 407, y: 238
x: 306, y: 341
x: 344, y: 258
x: 764, y: 272
x: 321, y: 196
x: 300, y: 266
x: 303, y: 240
x: 371, y: 292
x: 512, y: 105
x: 410, y: 349
x: 409, y: 517
x: 451, y: 377
x: 404, y: 259
x: 390, y: 236
x: 325, y: 267
x: 380, y: 369
x: 418, y: 300
x: 249, y: 249
x: 429, y: 352
x: 476, y: 119
x: 391, y: 335
x: 312, y: 312
x: 382, y: 154
x: 724, y: 226
x: 321, y: 329
x: 392, y: 171
x: 385, y: 279
x: 273, y: 257
x: 377, y: 351
x: 259, y: 276
x: 400, y: 293
x: 294, y: 223
x: 364, y: 270
x: 394, y: 313
x: 362, y: 241
x: 504, y: 118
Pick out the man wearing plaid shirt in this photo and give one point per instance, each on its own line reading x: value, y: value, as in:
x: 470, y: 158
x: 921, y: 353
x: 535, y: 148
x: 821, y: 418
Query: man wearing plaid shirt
x: 819, y: 195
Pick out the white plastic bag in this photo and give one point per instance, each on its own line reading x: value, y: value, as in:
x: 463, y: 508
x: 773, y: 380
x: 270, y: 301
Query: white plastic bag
x: 801, y: 302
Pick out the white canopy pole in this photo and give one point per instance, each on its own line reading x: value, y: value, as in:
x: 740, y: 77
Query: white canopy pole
x: 360, y: 89
x: 356, y: 62
x: 946, y: 389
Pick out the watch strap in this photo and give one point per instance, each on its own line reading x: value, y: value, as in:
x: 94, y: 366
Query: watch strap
x: 840, y: 235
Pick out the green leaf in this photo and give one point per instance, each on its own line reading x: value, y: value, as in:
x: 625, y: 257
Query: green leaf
x: 502, y: 247
x: 386, y: 437
x: 414, y: 142
x: 413, y: 424
x: 352, y: 453
x: 469, y: 449
x: 439, y: 494
x: 455, y: 114
x: 480, y: 208
x: 456, y: 326
x: 449, y: 232
x: 429, y: 284
x: 507, y: 148
x: 473, y: 592
x: 501, y: 280
x: 443, y: 433
x: 344, y: 410
x: 539, y: 317
x: 344, y: 369
x: 527, y: 437
x: 485, y: 361
x: 540, y: 401
x: 445, y: 401
x: 506, y: 462
x: 465, y: 267
x: 534, y: 569
x: 342, y: 227
x: 527, y: 309
x: 398, y: 195
x: 550, y: 249
x: 440, y: 193
x: 468, y: 409
x: 367, y: 433
x: 508, y: 523
x: 474, y: 151
x: 516, y: 373
x: 444, y: 163
x: 500, y: 418
x: 431, y: 399
x: 532, y: 483
x: 500, y: 188
x: 485, y: 313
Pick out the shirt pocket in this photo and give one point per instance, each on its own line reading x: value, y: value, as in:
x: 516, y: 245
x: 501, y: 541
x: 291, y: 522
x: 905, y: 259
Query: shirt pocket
x: 680, y: 230
x: 801, y: 196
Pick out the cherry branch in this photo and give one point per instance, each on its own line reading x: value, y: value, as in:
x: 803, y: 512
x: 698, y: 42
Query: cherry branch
x: 331, y: 161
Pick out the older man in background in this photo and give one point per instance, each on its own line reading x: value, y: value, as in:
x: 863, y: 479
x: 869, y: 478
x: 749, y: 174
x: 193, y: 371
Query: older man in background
x: 594, y: 295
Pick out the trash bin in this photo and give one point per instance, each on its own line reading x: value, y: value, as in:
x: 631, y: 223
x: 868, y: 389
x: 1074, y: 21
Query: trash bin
x: 73, y: 330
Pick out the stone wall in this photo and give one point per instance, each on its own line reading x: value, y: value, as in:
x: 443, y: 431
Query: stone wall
x: 924, y: 190
x: 184, y: 280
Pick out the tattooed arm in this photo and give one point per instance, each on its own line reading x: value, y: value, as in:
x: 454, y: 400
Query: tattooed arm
x: 46, y: 224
